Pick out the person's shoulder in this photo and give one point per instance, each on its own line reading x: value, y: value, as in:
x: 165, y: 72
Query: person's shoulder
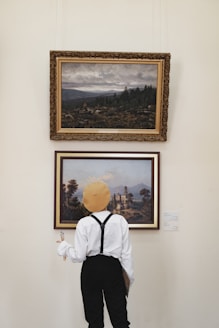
x: 83, y: 221
x: 120, y: 218
x: 118, y: 215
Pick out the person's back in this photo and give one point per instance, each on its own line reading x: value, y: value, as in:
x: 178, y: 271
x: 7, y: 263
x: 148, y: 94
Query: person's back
x: 115, y: 232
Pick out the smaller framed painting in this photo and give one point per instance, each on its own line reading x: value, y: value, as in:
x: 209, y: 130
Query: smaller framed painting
x: 133, y: 180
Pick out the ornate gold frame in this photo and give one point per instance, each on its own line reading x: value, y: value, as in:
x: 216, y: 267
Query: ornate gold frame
x: 158, y: 132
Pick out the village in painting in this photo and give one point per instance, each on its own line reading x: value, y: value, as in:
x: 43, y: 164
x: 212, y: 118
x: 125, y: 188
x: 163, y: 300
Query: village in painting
x: 134, y: 203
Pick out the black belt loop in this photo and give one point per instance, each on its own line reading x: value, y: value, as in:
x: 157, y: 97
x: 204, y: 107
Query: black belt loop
x: 102, y: 226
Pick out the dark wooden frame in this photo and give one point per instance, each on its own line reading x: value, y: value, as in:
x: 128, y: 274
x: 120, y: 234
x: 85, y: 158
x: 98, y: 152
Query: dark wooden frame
x: 133, y: 178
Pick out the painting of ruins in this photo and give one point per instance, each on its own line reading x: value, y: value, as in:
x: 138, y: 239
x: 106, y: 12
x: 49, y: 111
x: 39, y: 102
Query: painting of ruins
x: 133, y: 180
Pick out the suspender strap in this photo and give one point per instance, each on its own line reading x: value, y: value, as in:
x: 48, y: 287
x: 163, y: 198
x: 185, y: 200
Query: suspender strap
x: 102, y: 226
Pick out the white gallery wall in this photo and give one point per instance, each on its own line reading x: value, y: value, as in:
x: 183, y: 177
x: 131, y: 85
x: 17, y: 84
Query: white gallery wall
x: 176, y: 271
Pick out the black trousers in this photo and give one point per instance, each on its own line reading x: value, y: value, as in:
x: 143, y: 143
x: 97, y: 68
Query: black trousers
x: 101, y: 277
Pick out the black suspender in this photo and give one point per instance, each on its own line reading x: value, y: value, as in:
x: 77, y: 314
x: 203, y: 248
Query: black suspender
x: 102, y: 226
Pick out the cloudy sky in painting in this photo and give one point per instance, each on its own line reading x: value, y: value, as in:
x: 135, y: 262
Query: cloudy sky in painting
x: 113, y: 172
x: 94, y: 77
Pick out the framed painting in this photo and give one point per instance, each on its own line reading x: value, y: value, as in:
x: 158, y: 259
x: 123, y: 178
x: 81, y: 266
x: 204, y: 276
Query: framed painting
x: 133, y: 180
x: 109, y: 96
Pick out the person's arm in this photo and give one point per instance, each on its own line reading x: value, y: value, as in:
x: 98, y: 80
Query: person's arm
x: 78, y: 252
x: 126, y: 256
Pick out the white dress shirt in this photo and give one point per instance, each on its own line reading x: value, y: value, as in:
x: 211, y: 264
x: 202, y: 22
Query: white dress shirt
x: 88, y: 240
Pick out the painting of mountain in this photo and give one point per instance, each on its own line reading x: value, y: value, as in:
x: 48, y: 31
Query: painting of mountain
x: 131, y: 177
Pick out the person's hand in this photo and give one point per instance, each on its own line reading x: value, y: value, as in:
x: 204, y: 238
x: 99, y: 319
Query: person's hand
x: 62, y: 237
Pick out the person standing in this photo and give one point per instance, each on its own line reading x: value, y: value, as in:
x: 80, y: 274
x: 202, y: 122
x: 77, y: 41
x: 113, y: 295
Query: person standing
x: 102, y: 243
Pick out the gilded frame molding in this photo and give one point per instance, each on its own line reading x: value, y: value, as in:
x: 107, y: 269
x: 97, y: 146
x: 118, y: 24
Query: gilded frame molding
x: 104, y: 114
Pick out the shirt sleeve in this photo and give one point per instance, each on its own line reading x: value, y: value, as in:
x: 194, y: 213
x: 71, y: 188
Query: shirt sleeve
x: 78, y: 252
x: 126, y: 255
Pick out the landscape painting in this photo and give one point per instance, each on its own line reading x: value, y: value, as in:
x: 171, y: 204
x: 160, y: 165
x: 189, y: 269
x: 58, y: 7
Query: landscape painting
x: 108, y: 96
x: 117, y: 96
x: 133, y: 180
